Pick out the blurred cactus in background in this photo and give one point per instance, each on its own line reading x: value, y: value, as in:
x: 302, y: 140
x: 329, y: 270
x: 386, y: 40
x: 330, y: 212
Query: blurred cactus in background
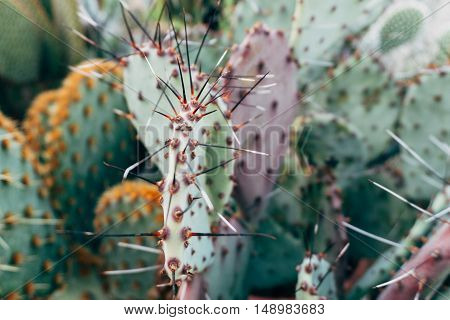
x: 274, y: 149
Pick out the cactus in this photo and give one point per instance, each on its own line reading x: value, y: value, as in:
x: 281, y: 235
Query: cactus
x: 367, y: 97
x: 388, y: 263
x: 126, y: 208
x: 187, y: 171
x: 276, y: 15
x: 37, y: 121
x: 270, y: 112
x: 319, y: 31
x: 82, y: 130
x: 406, y: 36
x: 29, y: 259
x: 425, y: 95
x: 429, y: 268
x: 315, y: 279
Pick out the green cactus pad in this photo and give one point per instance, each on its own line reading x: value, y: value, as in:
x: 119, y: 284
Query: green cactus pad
x: 130, y: 207
x: 319, y: 30
x: 276, y: 15
x: 82, y: 132
x: 189, y: 206
x: 426, y: 114
x: 30, y: 250
x: 367, y: 97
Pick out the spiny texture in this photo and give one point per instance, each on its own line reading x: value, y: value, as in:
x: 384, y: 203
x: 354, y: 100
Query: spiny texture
x: 319, y: 30
x: 376, y: 211
x: 429, y: 267
x: 196, y: 181
x: 365, y: 95
x: 130, y: 207
x: 315, y: 279
x: 81, y: 130
x: 30, y: 249
x: 269, y: 110
x: 426, y: 115
x: 391, y: 260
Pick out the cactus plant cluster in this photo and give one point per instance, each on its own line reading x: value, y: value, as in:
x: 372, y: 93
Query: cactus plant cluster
x: 303, y: 163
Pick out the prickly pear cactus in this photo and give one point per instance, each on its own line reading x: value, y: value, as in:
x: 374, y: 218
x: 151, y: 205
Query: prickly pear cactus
x: 178, y: 122
x: 130, y: 207
x: 426, y: 102
x: 266, y: 113
x: 315, y: 279
x: 366, y: 96
x: 277, y: 15
x: 30, y: 249
x: 82, y: 131
x: 319, y: 30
